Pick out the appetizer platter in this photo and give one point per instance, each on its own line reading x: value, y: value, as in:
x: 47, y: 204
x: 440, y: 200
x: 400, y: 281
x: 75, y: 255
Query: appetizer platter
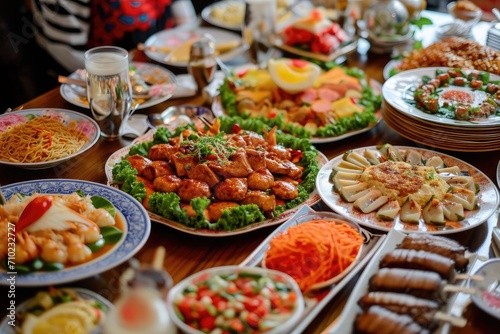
x: 301, y: 99
x: 172, y: 46
x: 151, y: 85
x: 316, y: 297
x: 227, y: 189
x: 451, y: 97
x: 315, y: 36
x: 69, y: 230
x: 82, y: 309
x: 56, y: 136
x: 390, y: 292
x: 407, y: 189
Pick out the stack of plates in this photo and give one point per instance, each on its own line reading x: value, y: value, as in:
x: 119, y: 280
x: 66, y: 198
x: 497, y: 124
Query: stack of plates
x: 493, y: 39
x: 432, y: 130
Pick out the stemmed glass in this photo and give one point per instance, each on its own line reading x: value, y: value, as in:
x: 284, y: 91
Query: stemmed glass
x: 109, y: 90
x: 202, y: 63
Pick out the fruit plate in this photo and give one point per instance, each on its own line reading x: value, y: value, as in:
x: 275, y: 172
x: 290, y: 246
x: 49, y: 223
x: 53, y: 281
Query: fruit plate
x: 6, y: 328
x: 137, y: 226
x: 487, y: 197
x: 316, y: 300
x: 344, y: 50
x: 118, y: 156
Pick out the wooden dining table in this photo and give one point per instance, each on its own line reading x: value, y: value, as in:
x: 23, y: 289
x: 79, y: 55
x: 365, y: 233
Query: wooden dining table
x: 187, y: 254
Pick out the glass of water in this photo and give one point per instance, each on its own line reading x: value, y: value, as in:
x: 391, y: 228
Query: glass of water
x: 108, y: 88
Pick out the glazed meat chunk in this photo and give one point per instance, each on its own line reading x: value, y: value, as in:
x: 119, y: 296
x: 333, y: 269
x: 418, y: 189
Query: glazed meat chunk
x: 285, y: 190
x: 167, y: 183
x: 265, y: 202
x: 204, y: 173
x: 232, y: 189
x: 162, y: 152
x: 138, y: 162
x: 157, y: 168
x: 260, y: 179
x: 256, y: 158
x: 190, y: 189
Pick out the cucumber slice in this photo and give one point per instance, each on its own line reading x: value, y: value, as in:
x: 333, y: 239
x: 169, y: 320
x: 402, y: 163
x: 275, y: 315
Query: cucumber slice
x: 356, y: 159
x: 435, y: 162
x: 373, y: 156
x: 453, y: 211
x: 433, y: 212
x: 410, y: 211
x: 388, y: 211
x: 352, y: 192
x: 414, y: 158
x: 371, y: 201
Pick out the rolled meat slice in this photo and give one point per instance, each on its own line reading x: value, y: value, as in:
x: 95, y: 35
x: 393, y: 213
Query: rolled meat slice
x: 420, y: 310
x: 422, y: 284
x: 420, y: 260
x: 429, y: 238
x: 377, y: 320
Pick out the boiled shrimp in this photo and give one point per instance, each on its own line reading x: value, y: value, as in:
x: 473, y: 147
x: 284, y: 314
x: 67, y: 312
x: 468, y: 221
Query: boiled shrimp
x: 53, y: 251
x: 101, y: 217
x: 78, y: 252
x: 26, y: 249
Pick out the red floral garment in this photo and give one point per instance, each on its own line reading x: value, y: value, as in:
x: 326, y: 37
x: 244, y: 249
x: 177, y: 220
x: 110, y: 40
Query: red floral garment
x: 127, y: 22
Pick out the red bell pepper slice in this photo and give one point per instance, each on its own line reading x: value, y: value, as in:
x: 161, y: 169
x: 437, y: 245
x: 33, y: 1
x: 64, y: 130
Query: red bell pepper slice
x: 33, y: 211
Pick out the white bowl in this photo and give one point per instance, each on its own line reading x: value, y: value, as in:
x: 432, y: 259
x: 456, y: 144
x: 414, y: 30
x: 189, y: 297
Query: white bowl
x: 204, y: 275
x: 487, y: 290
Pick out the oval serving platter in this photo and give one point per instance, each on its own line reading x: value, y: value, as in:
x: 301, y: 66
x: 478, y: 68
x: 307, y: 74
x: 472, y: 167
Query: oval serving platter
x: 136, y: 221
x: 118, y: 155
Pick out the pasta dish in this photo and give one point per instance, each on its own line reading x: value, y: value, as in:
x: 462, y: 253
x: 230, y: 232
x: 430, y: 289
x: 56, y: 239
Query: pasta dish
x: 40, y: 139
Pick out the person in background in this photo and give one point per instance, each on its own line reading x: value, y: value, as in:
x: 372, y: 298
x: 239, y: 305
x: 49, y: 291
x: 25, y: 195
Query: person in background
x: 67, y: 28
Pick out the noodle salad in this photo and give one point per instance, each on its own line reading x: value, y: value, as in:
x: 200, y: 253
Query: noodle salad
x: 49, y: 135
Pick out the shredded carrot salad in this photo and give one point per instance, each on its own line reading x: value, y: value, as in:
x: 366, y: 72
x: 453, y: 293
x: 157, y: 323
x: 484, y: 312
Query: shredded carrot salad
x: 314, y: 252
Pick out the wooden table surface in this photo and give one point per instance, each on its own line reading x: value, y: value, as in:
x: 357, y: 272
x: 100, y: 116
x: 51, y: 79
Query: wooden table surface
x: 187, y: 254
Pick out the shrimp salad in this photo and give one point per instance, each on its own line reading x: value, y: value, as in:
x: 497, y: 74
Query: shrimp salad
x: 56, y: 231
x: 219, y: 180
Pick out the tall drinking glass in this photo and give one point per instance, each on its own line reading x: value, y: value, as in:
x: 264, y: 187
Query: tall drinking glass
x: 108, y: 88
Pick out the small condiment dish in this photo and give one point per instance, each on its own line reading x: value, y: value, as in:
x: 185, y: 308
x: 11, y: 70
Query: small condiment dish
x: 176, y: 116
x: 487, y: 290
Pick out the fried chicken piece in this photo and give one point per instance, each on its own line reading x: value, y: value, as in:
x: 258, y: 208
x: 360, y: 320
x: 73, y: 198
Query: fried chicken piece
x: 204, y: 173
x: 167, y: 183
x: 190, y: 189
x: 265, y: 202
x: 260, y: 179
x: 162, y: 152
x: 232, y: 189
x: 285, y: 190
x: 138, y: 162
x: 157, y: 168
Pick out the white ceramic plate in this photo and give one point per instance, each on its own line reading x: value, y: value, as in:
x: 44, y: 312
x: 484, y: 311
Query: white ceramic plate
x: 389, y: 66
x: 317, y: 300
x: 118, y: 156
x: 78, y: 95
x: 487, y: 291
x: 400, y: 87
x: 85, y: 123
x: 5, y: 328
x: 137, y: 229
x: 173, y: 38
x: 488, y: 198
x: 207, y: 14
